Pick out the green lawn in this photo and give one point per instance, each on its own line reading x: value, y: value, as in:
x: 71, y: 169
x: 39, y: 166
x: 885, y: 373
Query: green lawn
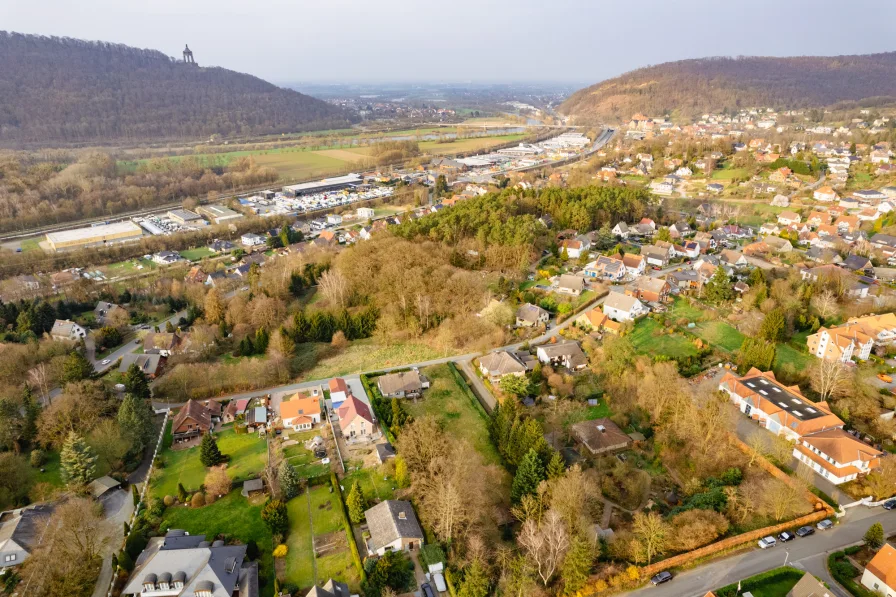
x: 774, y: 583
x: 247, y: 453
x: 649, y: 338
x: 52, y: 472
x: 197, y: 253
x: 302, y: 459
x: 326, y: 518
x: 720, y: 335
x: 729, y: 173
x: 233, y: 516
x: 681, y: 308
x: 784, y: 353
x: 446, y: 401
x: 375, y: 486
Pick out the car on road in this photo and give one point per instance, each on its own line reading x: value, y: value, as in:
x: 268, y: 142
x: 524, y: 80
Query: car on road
x: 426, y: 590
x: 824, y: 524
x: 889, y: 504
x: 786, y: 536
x: 767, y: 542
x: 137, y: 341
x: 662, y: 577
x: 105, y: 362
x: 805, y: 531
x: 885, y: 378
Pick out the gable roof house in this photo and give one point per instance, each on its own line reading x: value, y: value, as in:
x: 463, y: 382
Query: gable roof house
x: 569, y: 284
x: 880, y: 572
x: 192, y: 420
x: 300, y: 411
x: 652, y: 290
x: 655, y: 255
x: 184, y: 565
x: 404, y: 384
x: 836, y: 455
x: 497, y: 364
x: 622, y: 307
x: 356, y: 421
x: 21, y: 532
x: 66, y: 329
x: 601, y: 436
x: 163, y: 343
x: 595, y: 319
x: 787, y: 218
x: 783, y: 410
x: 608, y: 268
x: 841, y: 343
x: 858, y: 264
x: 150, y: 364
x: 575, y: 247
x: 621, y: 230
x: 530, y: 315
x: 634, y: 264
x: 567, y: 354
x: 105, y: 312
x: 809, y: 586
x: 331, y: 588
x: 393, y: 526
x: 339, y: 391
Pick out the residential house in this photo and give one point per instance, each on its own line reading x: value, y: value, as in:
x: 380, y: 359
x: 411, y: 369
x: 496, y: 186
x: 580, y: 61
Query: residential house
x: 597, y: 320
x: 150, y: 364
x: 733, y: 259
x: 608, y: 268
x: 880, y: 328
x: 621, y: 230
x: 108, y: 313
x: 823, y: 255
x: 356, y: 421
x: 652, y: 290
x: 192, y: 420
x: 163, y: 343
x: 182, y: 565
x: 635, y: 265
x: 575, y: 247
x: 600, y: 436
x: 393, y: 526
x: 404, y: 384
x: 841, y: 343
x: 21, y: 532
x: 825, y: 193
x: 622, y: 307
x: 689, y: 249
x: 331, y: 588
x: 166, y: 257
x: 680, y: 230
x: 783, y: 410
x: 234, y: 409
x: 496, y: 365
x: 789, y: 218
x: 769, y: 228
x: 566, y: 354
x: 715, y: 187
x: 809, y: 586
x: 250, y: 239
x: 847, y: 223
x: 65, y: 329
x: 530, y: 315
x: 683, y: 281
x: 257, y: 418
x: 569, y: 284
x: 300, y: 411
x: 221, y: 246
x: 817, y: 218
x: 836, y: 455
x: 778, y: 244
x: 339, y: 391
x: 880, y: 573
x: 656, y: 255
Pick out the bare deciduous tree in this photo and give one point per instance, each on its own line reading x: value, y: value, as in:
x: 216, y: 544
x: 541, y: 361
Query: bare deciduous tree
x: 824, y: 303
x: 830, y: 378
x: 335, y: 287
x: 545, y: 544
x: 651, y: 534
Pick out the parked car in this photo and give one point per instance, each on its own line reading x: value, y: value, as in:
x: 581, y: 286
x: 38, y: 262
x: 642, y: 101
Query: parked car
x: 767, y: 542
x: 786, y: 536
x: 427, y: 590
x: 662, y: 577
x: 805, y: 531
x: 824, y: 525
x: 885, y: 378
x: 889, y: 504
x: 105, y: 362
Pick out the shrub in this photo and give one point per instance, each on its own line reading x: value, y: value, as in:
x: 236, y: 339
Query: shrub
x: 38, y: 458
x: 198, y: 500
x: 168, y: 500
x: 280, y: 551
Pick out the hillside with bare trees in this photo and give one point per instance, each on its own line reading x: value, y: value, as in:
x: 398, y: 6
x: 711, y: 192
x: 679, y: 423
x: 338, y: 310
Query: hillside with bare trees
x: 692, y: 87
x: 66, y: 91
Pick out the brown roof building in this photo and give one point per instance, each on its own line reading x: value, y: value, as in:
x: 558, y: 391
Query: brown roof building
x: 601, y: 436
x: 193, y: 419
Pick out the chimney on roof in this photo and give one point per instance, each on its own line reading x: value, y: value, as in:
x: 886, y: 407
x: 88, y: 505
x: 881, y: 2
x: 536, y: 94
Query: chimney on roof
x: 601, y: 428
x: 402, y: 515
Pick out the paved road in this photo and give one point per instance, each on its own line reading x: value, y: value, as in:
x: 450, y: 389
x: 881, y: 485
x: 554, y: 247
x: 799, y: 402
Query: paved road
x: 808, y: 554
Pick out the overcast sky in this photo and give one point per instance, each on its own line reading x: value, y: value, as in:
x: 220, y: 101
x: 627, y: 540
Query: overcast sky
x: 347, y: 41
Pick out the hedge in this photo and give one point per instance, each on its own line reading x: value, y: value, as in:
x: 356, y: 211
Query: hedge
x: 375, y: 399
x: 356, y: 557
x: 449, y: 580
x: 754, y: 583
x: 465, y: 387
x: 841, y: 570
x: 827, y: 499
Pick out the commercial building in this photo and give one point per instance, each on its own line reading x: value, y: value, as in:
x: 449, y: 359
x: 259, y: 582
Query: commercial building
x: 184, y: 216
x: 218, y: 214
x: 119, y: 232
x: 327, y: 184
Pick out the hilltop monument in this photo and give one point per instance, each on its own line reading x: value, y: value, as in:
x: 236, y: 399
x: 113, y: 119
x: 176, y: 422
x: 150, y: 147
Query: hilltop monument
x: 188, y: 55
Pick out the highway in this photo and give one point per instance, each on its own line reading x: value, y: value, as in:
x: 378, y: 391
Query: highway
x: 809, y: 554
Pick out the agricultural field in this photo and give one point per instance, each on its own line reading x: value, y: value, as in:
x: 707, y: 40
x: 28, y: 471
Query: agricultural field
x: 318, y: 547
x: 248, y: 455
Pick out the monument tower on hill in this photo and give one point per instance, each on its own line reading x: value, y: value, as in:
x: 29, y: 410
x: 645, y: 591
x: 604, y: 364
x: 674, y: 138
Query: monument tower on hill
x: 188, y: 55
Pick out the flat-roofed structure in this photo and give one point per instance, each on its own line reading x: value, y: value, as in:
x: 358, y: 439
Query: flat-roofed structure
x: 327, y: 184
x: 184, y: 216
x: 92, y: 236
x: 218, y: 214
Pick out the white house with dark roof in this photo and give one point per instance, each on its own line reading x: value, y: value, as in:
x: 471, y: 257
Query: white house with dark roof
x: 621, y: 307
x: 20, y: 533
x: 65, y: 329
x: 393, y: 526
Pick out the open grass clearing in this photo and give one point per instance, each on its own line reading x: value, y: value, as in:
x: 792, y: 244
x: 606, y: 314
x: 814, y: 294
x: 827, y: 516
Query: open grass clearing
x: 234, y: 517
x: 374, y: 484
x: 368, y: 355
x: 786, y: 354
x: 197, y: 253
x: 247, y: 452
x: 649, y: 337
x: 730, y: 173
x: 720, y: 335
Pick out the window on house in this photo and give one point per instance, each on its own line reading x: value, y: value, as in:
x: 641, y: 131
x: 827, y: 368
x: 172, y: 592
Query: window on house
x: 10, y: 558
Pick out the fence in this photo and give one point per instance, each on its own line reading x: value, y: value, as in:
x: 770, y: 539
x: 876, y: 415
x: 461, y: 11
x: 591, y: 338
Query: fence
x: 143, y: 490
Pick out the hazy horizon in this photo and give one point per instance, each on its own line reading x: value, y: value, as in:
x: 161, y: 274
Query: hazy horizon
x: 397, y: 42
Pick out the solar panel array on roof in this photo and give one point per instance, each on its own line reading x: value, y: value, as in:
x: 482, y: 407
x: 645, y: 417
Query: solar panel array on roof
x: 797, y: 406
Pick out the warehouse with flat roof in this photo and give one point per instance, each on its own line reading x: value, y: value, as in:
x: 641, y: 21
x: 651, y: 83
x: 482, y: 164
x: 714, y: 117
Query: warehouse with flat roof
x: 218, y: 214
x: 119, y: 232
x: 183, y: 216
x: 328, y: 184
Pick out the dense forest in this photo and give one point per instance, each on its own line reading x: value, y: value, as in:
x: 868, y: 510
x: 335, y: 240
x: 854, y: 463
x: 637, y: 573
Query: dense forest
x: 62, y: 90
x: 692, y: 87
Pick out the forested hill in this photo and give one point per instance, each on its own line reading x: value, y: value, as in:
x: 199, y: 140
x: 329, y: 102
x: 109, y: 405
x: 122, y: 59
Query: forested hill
x: 61, y: 90
x: 692, y: 87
